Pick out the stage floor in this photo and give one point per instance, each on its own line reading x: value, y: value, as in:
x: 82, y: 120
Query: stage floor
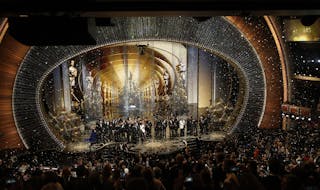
x: 215, y: 136
x: 165, y: 146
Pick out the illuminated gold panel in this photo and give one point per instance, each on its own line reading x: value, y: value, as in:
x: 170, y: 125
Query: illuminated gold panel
x: 297, y: 32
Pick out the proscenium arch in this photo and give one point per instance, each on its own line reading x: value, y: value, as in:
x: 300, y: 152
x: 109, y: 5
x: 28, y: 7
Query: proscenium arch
x: 216, y: 35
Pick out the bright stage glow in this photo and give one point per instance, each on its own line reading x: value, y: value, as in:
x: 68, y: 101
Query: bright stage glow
x: 132, y: 106
x: 121, y: 83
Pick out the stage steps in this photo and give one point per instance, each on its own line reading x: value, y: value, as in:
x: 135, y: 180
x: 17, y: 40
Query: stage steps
x: 194, y: 147
x: 108, y: 152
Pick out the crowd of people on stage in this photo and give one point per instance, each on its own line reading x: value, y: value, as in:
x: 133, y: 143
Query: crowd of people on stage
x: 254, y: 159
x: 133, y: 130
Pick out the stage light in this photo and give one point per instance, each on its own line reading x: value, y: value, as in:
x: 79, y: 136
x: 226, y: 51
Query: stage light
x: 132, y: 106
x: 309, y: 119
x: 308, y: 20
x: 23, y: 16
x: 141, y: 49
